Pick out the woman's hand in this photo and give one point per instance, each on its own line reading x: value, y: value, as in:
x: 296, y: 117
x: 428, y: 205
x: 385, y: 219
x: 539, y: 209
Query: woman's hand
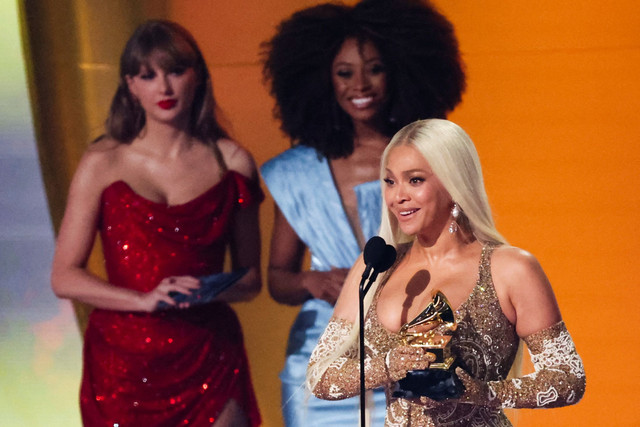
x: 476, y: 392
x: 325, y: 285
x: 403, y: 359
x: 181, y: 284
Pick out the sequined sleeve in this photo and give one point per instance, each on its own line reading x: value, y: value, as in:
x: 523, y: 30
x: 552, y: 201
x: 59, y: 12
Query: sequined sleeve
x: 559, y: 377
x: 341, y: 378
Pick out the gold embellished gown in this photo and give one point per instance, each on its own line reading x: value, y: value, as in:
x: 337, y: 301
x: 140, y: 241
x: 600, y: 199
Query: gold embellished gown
x: 485, y: 344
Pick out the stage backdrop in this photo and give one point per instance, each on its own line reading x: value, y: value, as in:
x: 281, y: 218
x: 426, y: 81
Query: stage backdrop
x: 39, y: 343
x: 552, y: 96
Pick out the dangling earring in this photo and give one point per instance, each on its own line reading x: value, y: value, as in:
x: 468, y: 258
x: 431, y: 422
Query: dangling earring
x: 455, y: 213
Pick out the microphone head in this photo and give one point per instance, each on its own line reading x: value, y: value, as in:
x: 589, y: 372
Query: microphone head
x: 388, y: 259
x: 374, y: 251
x: 378, y: 255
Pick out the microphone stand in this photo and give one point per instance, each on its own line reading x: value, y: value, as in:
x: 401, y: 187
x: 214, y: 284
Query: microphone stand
x: 378, y: 257
x: 361, y: 294
x: 362, y: 291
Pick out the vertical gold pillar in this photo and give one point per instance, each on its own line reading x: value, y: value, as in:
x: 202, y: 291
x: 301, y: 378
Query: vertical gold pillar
x: 72, y: 50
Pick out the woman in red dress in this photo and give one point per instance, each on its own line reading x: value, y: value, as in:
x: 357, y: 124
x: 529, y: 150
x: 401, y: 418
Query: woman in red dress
x: 169, y: 193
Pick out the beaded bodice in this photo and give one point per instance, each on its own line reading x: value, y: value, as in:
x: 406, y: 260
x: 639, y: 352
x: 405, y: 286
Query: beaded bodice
x: 485, y: 345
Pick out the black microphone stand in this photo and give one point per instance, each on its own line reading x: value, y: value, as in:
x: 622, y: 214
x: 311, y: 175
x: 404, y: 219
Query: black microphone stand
x: 361, y: 295
x: 362, y: 291
x: 378, y: 257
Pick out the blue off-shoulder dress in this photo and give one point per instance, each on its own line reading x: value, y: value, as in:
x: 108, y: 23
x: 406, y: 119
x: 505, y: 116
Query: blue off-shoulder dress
x: 303, y: 187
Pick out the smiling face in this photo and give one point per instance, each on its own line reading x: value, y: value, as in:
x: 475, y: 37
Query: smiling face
x: 166, y: 95
x: 414, y: 195
x: 359, y: 80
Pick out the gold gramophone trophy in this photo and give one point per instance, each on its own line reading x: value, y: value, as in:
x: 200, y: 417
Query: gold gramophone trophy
x: 439, y: 381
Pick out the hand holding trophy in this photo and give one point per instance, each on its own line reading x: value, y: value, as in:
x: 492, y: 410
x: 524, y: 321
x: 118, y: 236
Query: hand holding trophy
x: 439, y: 381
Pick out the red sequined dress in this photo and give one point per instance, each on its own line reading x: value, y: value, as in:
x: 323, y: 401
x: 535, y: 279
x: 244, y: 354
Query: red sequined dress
x: 175, y: 367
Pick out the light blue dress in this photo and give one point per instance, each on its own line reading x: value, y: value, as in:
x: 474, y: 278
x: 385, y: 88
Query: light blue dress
x: 302, y: 186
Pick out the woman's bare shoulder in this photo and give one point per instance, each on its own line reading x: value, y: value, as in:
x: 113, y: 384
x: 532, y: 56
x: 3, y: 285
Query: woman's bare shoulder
x: 515, y: 270
x: 512, y: 260
x: 519, y: 275
x: 100, y: 162
x: 102, y: 150
x: 237, y: 158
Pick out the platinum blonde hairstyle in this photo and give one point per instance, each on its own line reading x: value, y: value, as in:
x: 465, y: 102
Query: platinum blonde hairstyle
x: 454, y: 160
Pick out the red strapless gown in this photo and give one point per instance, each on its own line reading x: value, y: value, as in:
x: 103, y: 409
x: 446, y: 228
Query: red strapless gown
x: 172, y: 368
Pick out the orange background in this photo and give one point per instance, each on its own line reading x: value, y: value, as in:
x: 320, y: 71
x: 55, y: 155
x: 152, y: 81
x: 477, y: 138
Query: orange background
x: 552, y: 98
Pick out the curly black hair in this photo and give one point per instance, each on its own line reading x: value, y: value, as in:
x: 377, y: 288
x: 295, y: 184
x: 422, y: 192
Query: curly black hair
x: 425, y: 75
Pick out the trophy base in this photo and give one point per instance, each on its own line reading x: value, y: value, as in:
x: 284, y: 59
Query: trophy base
x: 436, y: 384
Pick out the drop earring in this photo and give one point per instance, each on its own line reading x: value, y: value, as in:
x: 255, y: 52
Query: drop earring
x: 455, y: 213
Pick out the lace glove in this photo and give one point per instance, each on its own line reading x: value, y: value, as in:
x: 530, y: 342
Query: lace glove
x: 558, y: 380
x: 341, y: 379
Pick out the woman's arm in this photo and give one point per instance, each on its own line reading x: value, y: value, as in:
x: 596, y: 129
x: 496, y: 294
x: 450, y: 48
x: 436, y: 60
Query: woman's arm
x: 245, y: 253
x: 559, y: 377
x: 341, y: 378
x: 334, y: 367
x: 69, y: 277
x: 525, y: 293
x: 287, y: 283
x: 245, y: 246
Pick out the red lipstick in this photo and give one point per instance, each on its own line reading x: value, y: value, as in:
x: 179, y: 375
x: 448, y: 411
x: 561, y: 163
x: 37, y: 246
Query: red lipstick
x: 167, y: 104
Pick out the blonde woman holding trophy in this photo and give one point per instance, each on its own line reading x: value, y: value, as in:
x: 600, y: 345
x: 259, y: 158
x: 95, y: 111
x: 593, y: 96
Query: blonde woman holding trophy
x: 481, y: 297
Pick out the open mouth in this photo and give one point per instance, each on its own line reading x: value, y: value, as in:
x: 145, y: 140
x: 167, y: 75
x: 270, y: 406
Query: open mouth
x: 407, y: 212
x: 363, y: 102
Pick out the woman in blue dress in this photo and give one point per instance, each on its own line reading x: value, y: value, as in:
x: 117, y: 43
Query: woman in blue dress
x: 345, y: 79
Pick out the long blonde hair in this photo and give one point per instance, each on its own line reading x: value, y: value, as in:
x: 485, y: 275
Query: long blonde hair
x: 454, y: 160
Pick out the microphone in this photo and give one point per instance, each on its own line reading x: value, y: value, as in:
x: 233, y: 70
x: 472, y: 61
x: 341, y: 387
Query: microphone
x: 378, y: 257
x: 373, y: 252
